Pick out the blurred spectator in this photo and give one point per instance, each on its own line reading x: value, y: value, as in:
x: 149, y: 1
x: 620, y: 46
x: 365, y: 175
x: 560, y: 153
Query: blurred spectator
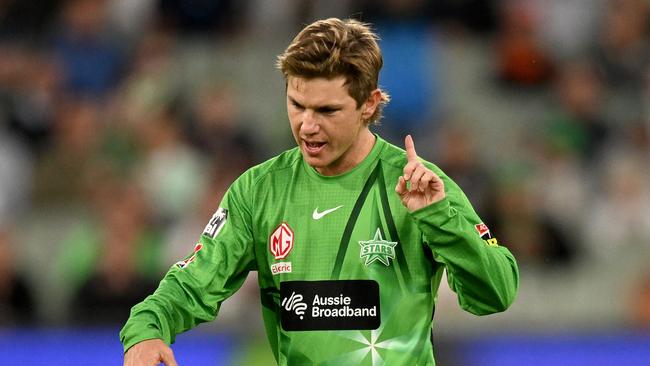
x: 15, y: 177
x: 569, y: 26
x: 29, y: 83
x: 274, y: 17
x: 17, y: 305
x: 61, y: 175
x: 577, y: 125
x: 640, y: 304
x: 172, y: 173
x: 617, y: 229
x: 131, y: 18
x: 565, y: 188
x: 111, y: 264
x: 515, y: 218
x: 622, y: 53
x: 220, y: 131
x: 521, y: 59
x: 270, y: 17
x: 623, y: 50
x: 457, y: 156
x: 201, y: 16
x: 637, y: 135
x: 571, y: 144
x: 90, y: 59
x: 150, y: 84
x: 107, y: 297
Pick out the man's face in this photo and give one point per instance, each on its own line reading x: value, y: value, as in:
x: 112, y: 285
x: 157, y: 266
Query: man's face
x: 327, y: 125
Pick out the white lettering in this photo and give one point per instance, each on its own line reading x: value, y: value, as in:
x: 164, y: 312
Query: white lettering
x: 332, y: 300
x: 344, y: 311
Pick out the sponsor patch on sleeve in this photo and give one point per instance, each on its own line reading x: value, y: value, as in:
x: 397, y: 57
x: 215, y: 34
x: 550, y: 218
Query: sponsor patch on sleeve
x: 216, y: 223
x: 184, y: 263
x: 485, y: 234
x: 483, y: 230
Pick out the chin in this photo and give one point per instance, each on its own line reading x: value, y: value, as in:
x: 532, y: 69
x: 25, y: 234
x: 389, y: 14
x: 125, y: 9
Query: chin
x: 316, y: 162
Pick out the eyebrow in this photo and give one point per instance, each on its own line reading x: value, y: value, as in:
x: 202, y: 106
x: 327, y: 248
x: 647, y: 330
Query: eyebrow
x: 320, y: 108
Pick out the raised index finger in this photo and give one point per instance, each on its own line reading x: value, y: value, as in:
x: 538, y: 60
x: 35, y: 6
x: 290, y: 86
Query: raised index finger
x: 411, y: 155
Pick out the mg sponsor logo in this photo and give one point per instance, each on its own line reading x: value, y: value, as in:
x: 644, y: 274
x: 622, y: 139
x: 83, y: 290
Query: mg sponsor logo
x: 281, y: 241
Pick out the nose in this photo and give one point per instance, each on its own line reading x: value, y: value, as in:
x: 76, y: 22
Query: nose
x: 310, y: 124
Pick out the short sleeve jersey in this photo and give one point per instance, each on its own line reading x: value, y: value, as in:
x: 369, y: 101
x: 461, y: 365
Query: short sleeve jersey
x: 347, y: 275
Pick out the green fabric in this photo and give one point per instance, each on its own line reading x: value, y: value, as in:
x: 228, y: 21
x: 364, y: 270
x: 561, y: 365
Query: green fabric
x: 285, y: 189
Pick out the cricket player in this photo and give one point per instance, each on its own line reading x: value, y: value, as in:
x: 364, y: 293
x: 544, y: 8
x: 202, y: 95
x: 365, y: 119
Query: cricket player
x: 349, y: 234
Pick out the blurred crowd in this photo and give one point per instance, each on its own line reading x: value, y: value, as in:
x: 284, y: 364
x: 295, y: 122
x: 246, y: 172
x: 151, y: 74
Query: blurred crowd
x: 123, y: 122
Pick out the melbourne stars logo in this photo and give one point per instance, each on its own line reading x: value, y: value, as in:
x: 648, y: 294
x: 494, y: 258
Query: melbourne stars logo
x: 377, y: 249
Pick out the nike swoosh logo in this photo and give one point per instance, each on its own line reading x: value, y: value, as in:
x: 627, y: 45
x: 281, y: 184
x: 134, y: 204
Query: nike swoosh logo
x: 319, y: 215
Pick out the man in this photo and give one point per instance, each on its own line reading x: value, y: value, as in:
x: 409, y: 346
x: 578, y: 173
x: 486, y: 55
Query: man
x: 349, y: 234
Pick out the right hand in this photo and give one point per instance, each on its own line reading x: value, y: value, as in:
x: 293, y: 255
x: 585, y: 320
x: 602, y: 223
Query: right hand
x: 426, y: 186
x: 150, y: 353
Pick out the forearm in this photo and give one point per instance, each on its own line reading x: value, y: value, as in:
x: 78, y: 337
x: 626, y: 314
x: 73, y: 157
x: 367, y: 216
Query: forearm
x: 485, y: 277
x: 174, y: 308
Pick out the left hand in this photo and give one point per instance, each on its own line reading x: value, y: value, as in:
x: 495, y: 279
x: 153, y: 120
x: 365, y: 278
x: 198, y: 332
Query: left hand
x: 426, y: 187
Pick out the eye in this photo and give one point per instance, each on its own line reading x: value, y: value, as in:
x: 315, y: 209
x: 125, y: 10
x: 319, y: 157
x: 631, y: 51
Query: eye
x: 296, y: 105
x: 327, y: 111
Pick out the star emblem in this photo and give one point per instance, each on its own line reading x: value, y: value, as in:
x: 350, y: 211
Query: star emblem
x: 369, y: 344
x: 377, y: 249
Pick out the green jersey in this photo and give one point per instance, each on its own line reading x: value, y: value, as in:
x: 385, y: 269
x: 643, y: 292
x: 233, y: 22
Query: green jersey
x: 347, y: 275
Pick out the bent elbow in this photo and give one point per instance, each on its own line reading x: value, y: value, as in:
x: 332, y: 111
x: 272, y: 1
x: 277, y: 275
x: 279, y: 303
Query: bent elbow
x: 496, y: 304
x: 506, y: 290
x: 504, y: 301
x: 505, y: 295
x: 497, y: 300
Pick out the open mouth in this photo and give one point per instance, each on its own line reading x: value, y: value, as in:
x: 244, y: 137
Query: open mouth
x: 314, y: 147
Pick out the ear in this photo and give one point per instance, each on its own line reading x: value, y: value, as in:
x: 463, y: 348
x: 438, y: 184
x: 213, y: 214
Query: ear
x: 371, y: 104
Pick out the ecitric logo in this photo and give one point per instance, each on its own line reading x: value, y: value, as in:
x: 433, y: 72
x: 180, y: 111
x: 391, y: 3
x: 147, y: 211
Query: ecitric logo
x: 281, y: 267
x: 377, y: 249
x: 281, y: 241
x: 329, y: 305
